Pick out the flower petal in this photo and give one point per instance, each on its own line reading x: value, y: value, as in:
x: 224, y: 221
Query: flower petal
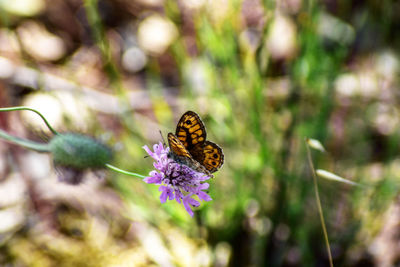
x: 193, y: 202
x: 178, y: 196
x: 171, y: 195
x: 154, y: 178
x: 158, y: 149
x: 164, y: 194
x: 163, y: 197
x: 203, y: 186
x: 187, y: 206
x: 204, y: 196
x: 147, y: 149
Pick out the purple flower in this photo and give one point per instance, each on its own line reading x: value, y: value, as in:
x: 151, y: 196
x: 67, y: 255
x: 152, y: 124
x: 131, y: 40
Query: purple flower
x: 176, y: 181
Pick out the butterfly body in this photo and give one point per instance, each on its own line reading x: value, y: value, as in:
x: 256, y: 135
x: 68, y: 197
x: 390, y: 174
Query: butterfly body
x: 189, y: 146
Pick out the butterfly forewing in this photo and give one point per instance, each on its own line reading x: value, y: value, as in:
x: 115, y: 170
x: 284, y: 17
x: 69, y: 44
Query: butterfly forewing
x: 177, y: 147
x: 182, y: 156
x: 190, y: 130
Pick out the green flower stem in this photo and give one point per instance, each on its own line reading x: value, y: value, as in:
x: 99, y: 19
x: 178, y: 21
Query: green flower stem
x: 43, y: 148
x: 124, y: 172
x: 31, y: 109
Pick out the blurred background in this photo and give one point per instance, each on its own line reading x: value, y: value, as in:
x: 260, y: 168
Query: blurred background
x: 263, y: 75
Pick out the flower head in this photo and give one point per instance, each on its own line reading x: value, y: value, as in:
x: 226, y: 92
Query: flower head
x: 176, y: 181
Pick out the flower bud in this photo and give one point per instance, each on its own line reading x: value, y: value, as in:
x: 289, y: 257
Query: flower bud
x: 79, y: 151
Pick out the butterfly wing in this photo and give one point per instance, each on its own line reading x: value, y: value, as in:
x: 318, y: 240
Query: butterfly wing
x: 209, y: 155
x: 177, y: 147
x: 190, y: 130
x: 189, y: 145
x: 181, y: 155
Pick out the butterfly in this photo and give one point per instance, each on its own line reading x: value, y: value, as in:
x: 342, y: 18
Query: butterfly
x: 189, y: 146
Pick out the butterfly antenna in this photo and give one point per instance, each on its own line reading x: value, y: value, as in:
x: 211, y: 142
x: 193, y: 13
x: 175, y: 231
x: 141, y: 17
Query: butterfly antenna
x: 162, y: 137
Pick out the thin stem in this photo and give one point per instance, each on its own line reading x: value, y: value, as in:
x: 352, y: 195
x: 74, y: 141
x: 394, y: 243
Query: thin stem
x: 321, y: 215
x: 43, y: 148
x: 124, y: 172
x: 31, y: 109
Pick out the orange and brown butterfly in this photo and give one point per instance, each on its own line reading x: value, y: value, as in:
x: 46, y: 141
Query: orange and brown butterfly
x: 189, y: 146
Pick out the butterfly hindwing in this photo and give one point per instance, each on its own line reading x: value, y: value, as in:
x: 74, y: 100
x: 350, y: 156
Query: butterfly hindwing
x: 214, y: 157
x: 209, y: 155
